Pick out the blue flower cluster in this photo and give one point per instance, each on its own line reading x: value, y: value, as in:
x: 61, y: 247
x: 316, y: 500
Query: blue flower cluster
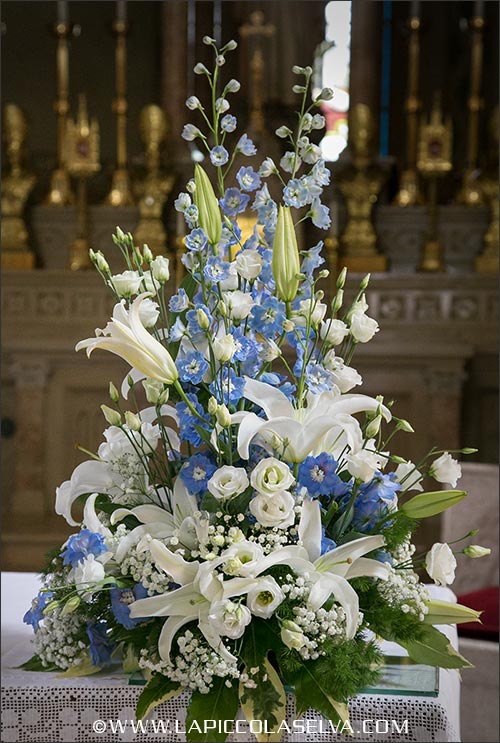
x: 81, y: 545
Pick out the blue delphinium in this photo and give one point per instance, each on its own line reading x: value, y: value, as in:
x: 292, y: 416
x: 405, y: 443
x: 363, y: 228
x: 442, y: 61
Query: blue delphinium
x: 177, y: 330
x: 248, y: 179
x: 101, y: 646
x: 230, y: 388
x: 188, y: 421
x: 196, y: 472
x: 268, y: 317
x: 196, y: 240
x: 375, y: 500
x: 34, y: 615
x: 320, y: 214
x: 246, y: 146
x: 246, y: 345
x: 327, y: 544
x: 311, y: 259
x: 228, y: 123
x: 216, y: 269
x: 192, y: 367
x: 319, y: 476
x: 295, y: 193
x: 81, y: 545
x: 219, y: 156
x: 234, y: 202
x: 179, y: 302
x: 318, y: 378
x: 121, y: 598
x: 194, y: 329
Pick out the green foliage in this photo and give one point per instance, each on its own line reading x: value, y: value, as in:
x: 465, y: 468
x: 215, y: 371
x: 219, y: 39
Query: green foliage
x: 434, y: 649
x: 35, y: 664
x: 157, y: 690
x: 240, y: 503
x: 210, y: 504
x: 387, y: 621
x: 397, y: 530
x: 52, y: 561
x: 220, y: 704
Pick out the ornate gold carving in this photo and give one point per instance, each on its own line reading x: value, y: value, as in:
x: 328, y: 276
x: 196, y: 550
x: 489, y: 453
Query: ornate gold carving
x: 434, y: 160
x: 360, y: 185
x: 153, y: 191
x: 487, y: 262
x: 16, y: 187
x: 82, y: 153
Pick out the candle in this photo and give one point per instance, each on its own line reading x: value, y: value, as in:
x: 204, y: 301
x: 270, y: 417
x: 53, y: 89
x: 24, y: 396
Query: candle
x: 62, y: 12
x: 415, y: 9
x: 121, y: 11
x: 479, y: 9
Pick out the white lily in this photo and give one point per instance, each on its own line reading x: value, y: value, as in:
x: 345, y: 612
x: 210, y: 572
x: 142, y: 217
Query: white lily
x: 88, y: 477
x: 127, y: 337
x: 299, y: 430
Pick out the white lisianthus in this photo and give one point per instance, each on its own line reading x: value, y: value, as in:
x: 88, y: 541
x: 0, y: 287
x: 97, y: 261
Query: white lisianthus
x: 446, y: 469
x: 229, y: 619
x: 155, y: 391
x: 475, y: 551
x: 149, y: 313
x: 271, y: 350
x: 238, y: 303
x: 232, y: 281
x: 364, y: 464
x: 312, y: 307
x: 127, y: 283
x: 271, y: 476
x: 160, y: 269
x: 333, y: 332
x: 292, y: 635
x: 227, y: 482
x: 224, y: 348
x: 409, y: 477
x: 276, y: 510
x: 264, y: 597
x: 363, y: 328
x: 248, y: 264
x: 243, y: 558
x: 87, y: 573
x: 345, y: 377
x: 440, y: 564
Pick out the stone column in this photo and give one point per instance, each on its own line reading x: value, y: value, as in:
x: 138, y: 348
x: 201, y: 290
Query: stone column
x: 30, y: 376
x: 366, y: 57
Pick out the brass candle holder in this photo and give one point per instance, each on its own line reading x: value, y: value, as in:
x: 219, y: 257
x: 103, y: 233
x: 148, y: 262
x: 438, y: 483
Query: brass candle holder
x: 434, y: 161
x: 258, y: 30
x: 470, y: 192
x: 16, y: 187
x: 60, y: 193
x: 120, y: 193
x: 409, y: 193
x: 360, y: 185
x: 153, y: 191
x: 82, y: 153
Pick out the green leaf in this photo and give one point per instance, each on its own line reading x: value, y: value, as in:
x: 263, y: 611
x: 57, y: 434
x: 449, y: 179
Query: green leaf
x: 266, y: 702
x: 210, y: 504
x: 86, y: 668
x: 311, y: 691
x: 434, y: 649
x: 158, y: 689
x: 35, y: 664
x: 240, y: 503
x: 220, y: 704
x: 189, y: 285
x: 130, y: 659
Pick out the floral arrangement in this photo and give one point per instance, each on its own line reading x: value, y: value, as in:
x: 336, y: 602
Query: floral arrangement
x: 244, y: 532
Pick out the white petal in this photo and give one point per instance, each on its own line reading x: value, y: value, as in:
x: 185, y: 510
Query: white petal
x: 168, y: 632
x: 328, y: 584
x: 364, y: 566
x: 91, y: 519
x: 173, y: 564
x: 272, y: 401
x: 310, y: 531
x: 336, y: 560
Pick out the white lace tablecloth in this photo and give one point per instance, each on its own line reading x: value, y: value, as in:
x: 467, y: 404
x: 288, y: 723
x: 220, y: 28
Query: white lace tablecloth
x: 42, y: 708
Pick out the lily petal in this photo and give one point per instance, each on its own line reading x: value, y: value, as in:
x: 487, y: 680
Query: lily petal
x: 310, y: 528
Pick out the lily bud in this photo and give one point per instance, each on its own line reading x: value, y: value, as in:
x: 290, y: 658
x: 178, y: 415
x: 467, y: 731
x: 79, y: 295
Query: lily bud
x: 373, y: 427
x: 286, y: 262
x: 365, y: 282
x: 403, y: 425
x: 475, y: 550
x: 339, y: 298
x: 341, y: 279
x: 444, y: 612
x: 202, y: 319
x: 113, y: 417
x: 223, y: 416
x: 424, y: 505
x: 133, y: 421
x: 212, y: 406
x: 113, y: 392
x: 209, y: 216
x: 153, y: 389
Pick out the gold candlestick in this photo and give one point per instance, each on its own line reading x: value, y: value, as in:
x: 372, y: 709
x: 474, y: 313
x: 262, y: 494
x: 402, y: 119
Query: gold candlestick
x: 470, y: 192
x: 487, y: 262
x: 82, y: 152
x: 258, y: 30
x: 120, y: 194
x: 360, y: 185
x: 154, y: 189
x: 16, y: 187
x: 60, y: 193
x: 409, y: 193
x: 434, y: 161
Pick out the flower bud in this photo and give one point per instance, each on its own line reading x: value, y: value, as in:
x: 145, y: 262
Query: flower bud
x: 208, y: 207
x: 101, y: 262
x: 475, y: 550
x: 285, y: 261
x: 445, y: 612
x: 200, y: 69
x: 341, y: 278
x: 339, y: 298
x: 230, y: 46
x: 292, y: 635
x: 147, y: 253
x: 403, y: 425
x: 373, y: 427
x: 153, y: 389
x: 424, y: 505
x: 202, y: 319
x: 113, y: 392
x: 222, y: 308
x: 133, y: 421
x: 160, y: 269
x: 365, y: 282
x: 223, y: 416
x: 224, y: 348
x: 212, y: 406
x: 288, y: 326
x: 324, y: 274
x: 70, y: 605
x: 113, y: 417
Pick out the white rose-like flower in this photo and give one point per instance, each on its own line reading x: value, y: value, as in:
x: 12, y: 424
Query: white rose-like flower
x: 227, y: 482
x: 333, y: 332
x: 127, y: 283
x: 310, y: 306
x: 363, y: 328
x: 345, y: 377
x: 271, y: 476
x: 364, y: 464
x: 248, y: 264
x: 229, y: 619
x: 160, y: 269
x: 409, y: 477
x: 440, y: 564
x: 270, y: 350
x: 243, y: 558
x: 238, y: 303
x: 276, y: 510
x: 264, y: 597
x: 446, y: 469
x: 149, y: 313
x: 224, y: 348
x: 87, y: 573
x: 292, y: 635
x: 232, y: 281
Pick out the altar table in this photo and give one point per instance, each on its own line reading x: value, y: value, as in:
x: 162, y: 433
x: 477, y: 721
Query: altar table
x: 43, y: 708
